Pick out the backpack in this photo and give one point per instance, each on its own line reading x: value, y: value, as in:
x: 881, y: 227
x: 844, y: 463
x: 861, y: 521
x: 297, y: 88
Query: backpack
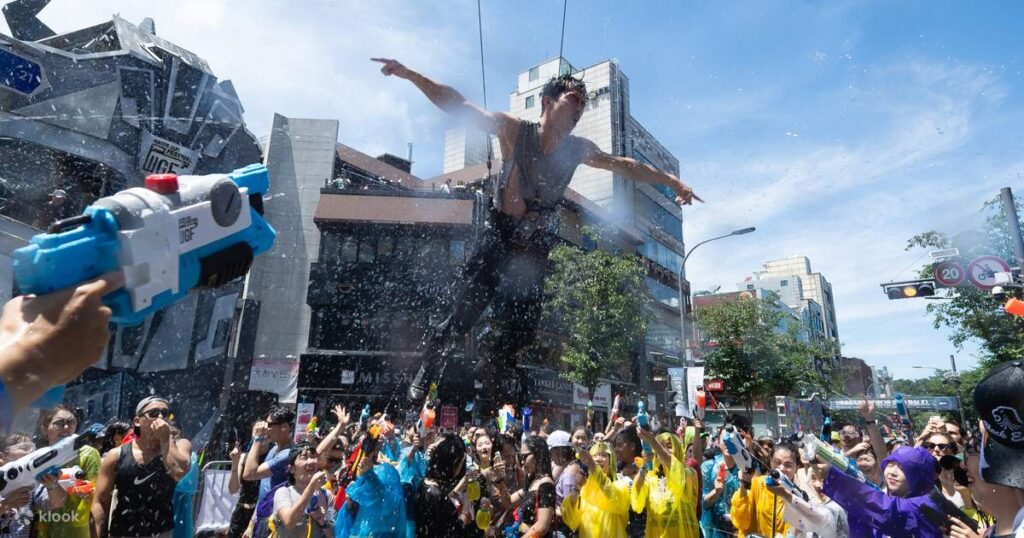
x: 264, y: 511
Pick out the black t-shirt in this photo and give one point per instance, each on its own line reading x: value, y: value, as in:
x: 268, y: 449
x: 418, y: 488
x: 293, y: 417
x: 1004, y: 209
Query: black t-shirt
x: 533, y: 501
x: 436, y: 516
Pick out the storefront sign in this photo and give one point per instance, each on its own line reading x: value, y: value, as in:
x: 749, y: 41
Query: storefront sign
x: 715, y: 385
x: 602, y: 396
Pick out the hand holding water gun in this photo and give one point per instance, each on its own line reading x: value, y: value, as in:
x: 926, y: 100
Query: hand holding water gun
x: 616, y: 406
x: 506, y: 418
x: 776, y: 479
x: 72, y: 479
x: 30, y: 468
x: 904, y: 413
x: 643, y: 421
x: 736, y: 449
x: 812, y: 448
x: 698, y: 410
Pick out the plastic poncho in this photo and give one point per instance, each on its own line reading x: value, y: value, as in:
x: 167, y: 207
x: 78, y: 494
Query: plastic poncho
x: 669, y: 496
x: 412, y: 471
x: 603, y: 508
x: 72, y: 519
x: 381, y: 502
x: 184, y: 492
x: 714, y: 518
x: 754, y: 511
x: 872, y: 513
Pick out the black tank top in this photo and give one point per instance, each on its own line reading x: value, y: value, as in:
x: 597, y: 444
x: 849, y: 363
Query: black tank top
x: 145, y: 497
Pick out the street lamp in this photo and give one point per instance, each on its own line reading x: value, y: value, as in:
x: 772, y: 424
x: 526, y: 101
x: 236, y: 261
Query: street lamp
x: 682, y: 275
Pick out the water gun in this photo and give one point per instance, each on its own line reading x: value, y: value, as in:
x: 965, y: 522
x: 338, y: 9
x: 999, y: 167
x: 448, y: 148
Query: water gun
x: 698, y: 410
x: 313, y: 501
x: 643, y: 421
x: 72, y: 479
x: 826, y: 429
x: 428, y: 418
x: 776, y: 478
x: 311, y: 427
x: 735, y: 448
x: 616, y: 405
x: 30, y: 468
x: 721, y: 471
x: 506, y: 418
x: 904, y: 413
x: 527, y: 420
x: 175, y: 234
x: 812, y: 448
x: 364, y: 416
x: 473, y: 488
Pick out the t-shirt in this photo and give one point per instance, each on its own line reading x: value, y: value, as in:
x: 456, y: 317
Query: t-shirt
x: 1018, y: 524
x: 307, y: 527
x: 533, y: 501
x: 277, y: 459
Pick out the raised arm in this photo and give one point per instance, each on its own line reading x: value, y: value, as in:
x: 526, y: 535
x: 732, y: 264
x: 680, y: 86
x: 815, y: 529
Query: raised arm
x: 343, y: 417
x: 637, y: 171
x: 867, y: 412
x: 451, y: 101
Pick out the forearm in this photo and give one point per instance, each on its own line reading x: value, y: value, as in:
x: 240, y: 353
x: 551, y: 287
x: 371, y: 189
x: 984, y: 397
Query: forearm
x: 328, y: 441
x: 711, y: 497
x: 234, y: 484
x: 252, y: 461
x: 176, y: 462
x: 877, y: 443
x: 99, y: 518
x: 444, y: 97
x: 644, y: 173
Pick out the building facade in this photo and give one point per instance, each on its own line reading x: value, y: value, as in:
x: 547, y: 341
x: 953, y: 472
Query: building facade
x: 390, y: 256
x: 795, y: 283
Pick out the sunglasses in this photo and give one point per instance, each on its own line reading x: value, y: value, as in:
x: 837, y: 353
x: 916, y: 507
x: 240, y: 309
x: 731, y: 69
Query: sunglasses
x: 65, y: 423
x: 159, y: 412
x: 940, y: 446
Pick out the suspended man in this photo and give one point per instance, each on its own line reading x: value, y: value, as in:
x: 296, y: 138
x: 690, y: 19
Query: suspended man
x: 538, y: 160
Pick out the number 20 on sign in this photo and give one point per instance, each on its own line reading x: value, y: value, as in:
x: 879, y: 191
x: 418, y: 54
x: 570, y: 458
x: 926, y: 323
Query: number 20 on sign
x: 950, y: 274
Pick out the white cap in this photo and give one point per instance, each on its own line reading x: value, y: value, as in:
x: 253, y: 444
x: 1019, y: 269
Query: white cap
x: 559, y: 439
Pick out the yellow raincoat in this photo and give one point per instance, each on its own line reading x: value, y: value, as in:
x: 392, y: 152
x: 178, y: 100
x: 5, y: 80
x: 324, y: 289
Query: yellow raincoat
x: 603, y: 508
x: 753, y: 511
x: 670, y: 497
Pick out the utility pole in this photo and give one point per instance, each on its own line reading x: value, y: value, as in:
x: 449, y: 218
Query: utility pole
x: 955, y: 379
x: 1010, y: 212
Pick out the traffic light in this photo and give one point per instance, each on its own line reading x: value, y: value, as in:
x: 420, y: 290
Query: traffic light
x: 910, y: 289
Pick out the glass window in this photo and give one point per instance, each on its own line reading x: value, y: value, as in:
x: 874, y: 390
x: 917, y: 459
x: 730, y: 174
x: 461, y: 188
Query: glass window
x: 530, y: 101
x: 784, y: 283
x: 666, y: 295
x: 457, y: 251
x: 329, y: 248
x: 659, y: 216
x: 349, y: 249
x: 534, y: 73
x: 366, y: 251
x: 385, y: 244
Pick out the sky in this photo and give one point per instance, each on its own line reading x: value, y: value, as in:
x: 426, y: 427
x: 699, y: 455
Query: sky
x: 838, y: 128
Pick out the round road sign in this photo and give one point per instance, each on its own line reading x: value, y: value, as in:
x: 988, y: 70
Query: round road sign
x: 950, y: 274
x: 982, y: 270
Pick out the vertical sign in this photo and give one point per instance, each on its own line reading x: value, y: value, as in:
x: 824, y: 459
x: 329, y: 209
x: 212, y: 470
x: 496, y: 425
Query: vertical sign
x: 303, y: 416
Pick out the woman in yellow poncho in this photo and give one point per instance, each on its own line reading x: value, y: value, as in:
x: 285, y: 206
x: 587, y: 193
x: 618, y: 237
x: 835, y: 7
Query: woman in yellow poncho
x: 669, y: 492
x: 601, y: 508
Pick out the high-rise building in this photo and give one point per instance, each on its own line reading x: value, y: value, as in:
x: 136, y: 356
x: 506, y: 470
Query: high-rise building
x: 651, y: 209
x: 795, y: 284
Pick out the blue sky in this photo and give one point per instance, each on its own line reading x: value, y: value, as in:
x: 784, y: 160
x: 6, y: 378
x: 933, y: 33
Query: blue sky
x: 839, y: 129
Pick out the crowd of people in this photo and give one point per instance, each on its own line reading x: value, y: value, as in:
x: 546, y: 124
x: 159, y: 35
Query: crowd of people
x: 374, y: 477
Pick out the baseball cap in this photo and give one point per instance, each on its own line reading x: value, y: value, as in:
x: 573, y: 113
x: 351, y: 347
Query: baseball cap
x: 148, y: 400
x: 559, y: 439
x: 999, y: 399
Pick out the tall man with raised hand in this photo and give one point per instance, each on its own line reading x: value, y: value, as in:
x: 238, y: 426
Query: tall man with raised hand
x: 539, y: 160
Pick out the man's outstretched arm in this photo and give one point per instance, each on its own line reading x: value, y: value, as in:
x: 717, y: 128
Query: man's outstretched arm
x: 637, y: 171
x: 451, y: 101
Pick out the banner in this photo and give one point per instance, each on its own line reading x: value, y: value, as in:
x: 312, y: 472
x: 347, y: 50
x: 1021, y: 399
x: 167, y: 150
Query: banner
x: 278, y: 376
x: 937, y: 403
x: 303, y: 416
x: 694, y: 379
x: 677, y: 384
x: 602, y: 396
x: 449, y: 417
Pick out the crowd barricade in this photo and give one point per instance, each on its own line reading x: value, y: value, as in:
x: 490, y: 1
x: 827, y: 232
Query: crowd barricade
x: 215, y: 501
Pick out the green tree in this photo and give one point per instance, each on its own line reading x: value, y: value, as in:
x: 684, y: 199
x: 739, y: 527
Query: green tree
x: 940, y: 384
x: 967, y: 311
x: 599, y: 301
x: 758, y: 351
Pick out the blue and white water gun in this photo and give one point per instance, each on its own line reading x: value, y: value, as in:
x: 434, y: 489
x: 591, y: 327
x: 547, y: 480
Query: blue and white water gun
x: 904, y: 413
x: 736, y: 449
x: 812, y: 448
x: 177, y: 233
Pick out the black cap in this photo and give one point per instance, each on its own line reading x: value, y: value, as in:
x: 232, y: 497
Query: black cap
x: 999, y: 399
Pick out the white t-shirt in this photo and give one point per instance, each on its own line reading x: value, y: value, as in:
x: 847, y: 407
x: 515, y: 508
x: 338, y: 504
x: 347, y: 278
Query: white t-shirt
x: 1018, y: 524
x: 285, y: 497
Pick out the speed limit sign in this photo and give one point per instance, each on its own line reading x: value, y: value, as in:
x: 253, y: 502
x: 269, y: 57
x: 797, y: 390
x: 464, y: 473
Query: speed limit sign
x: 949, y: 274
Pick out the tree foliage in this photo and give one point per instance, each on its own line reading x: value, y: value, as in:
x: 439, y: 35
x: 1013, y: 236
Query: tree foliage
x: 600, y: 302
x: 758, y: 350
x: 967, y: 311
